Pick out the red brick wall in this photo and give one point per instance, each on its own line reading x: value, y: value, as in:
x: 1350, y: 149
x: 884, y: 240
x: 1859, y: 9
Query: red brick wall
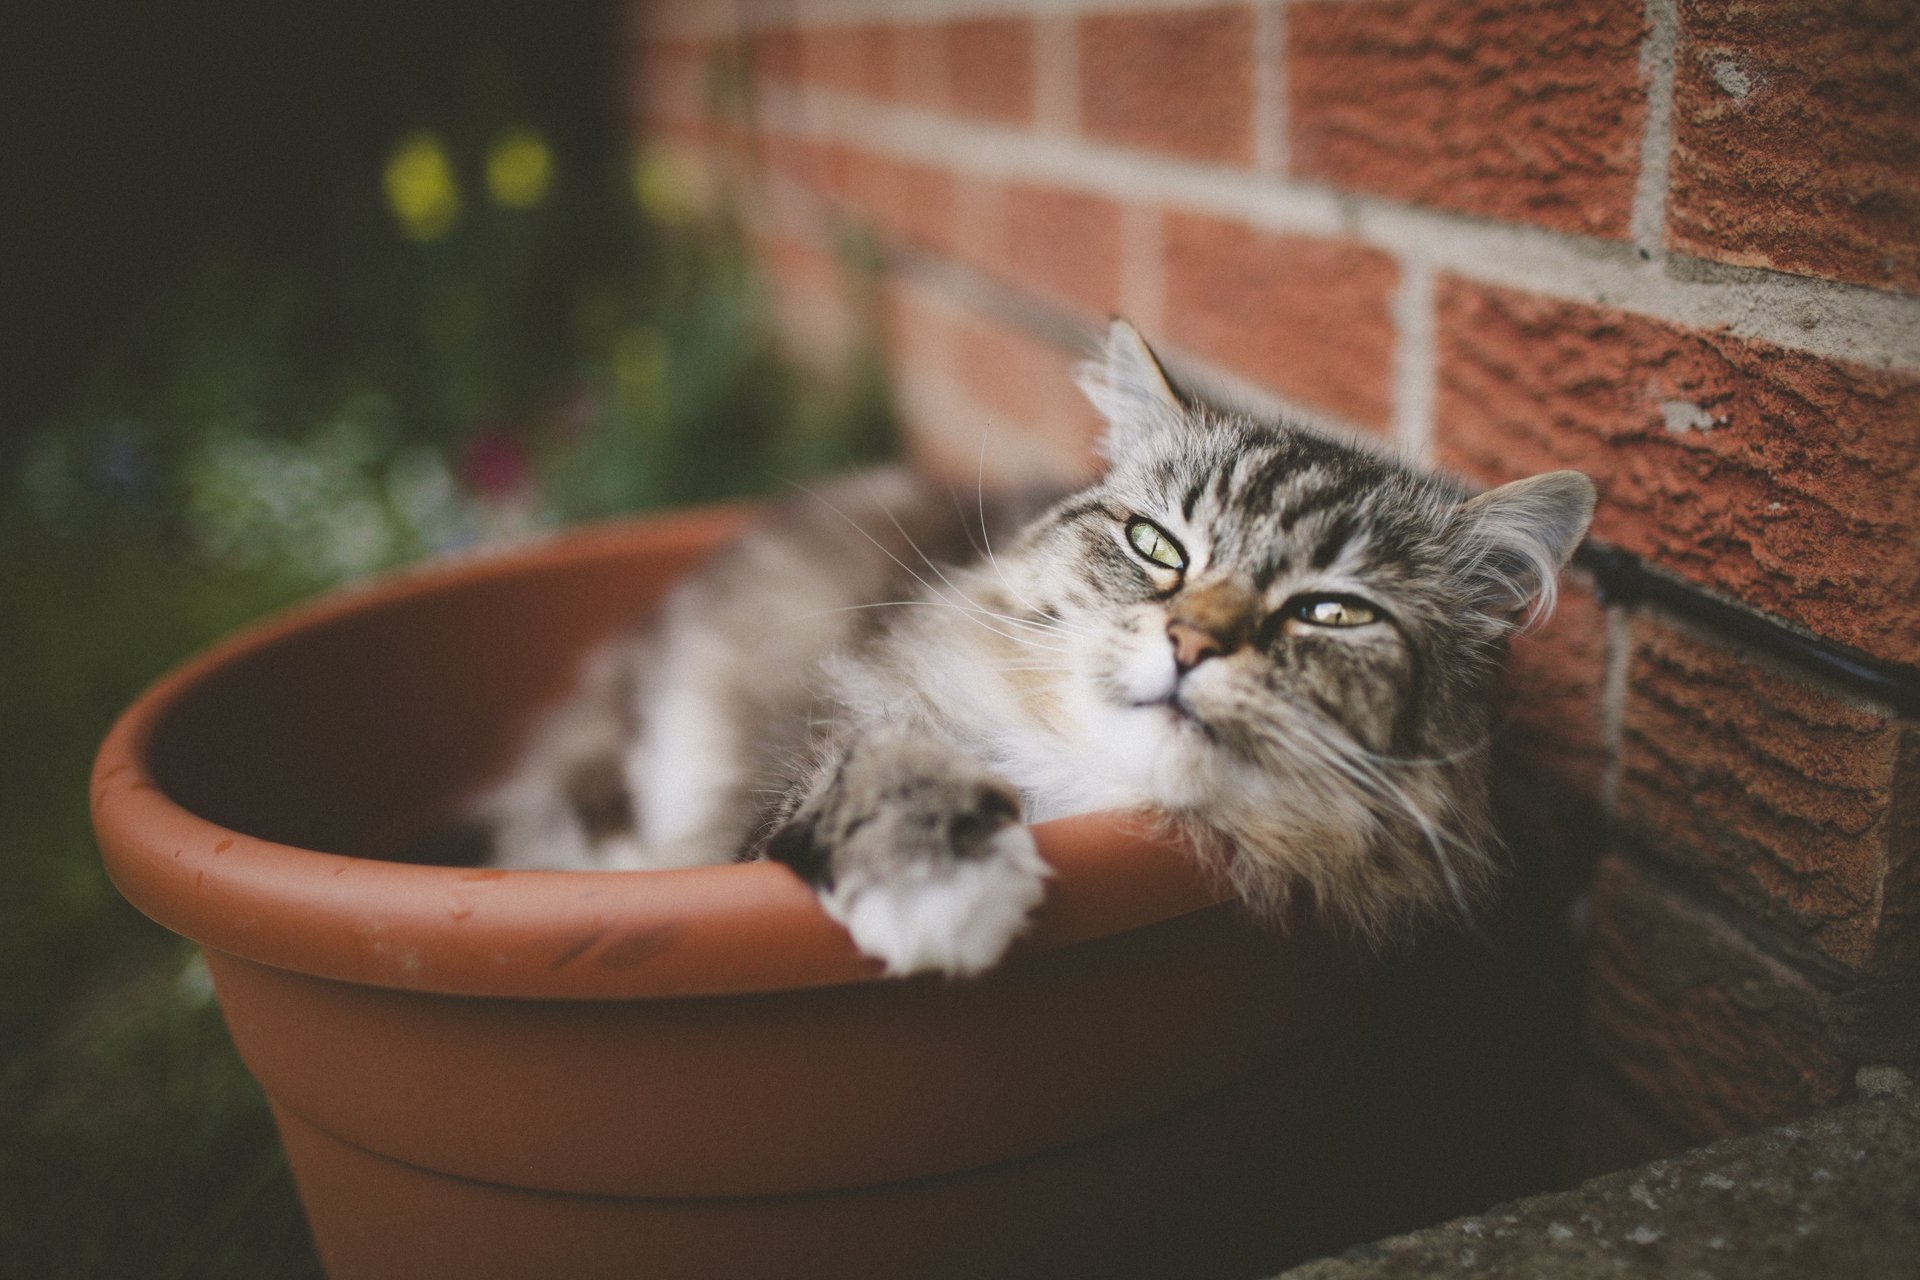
x: 1672, y: 243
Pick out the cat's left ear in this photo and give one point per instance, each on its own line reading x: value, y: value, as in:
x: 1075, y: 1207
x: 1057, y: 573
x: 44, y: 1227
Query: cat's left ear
x: 1513, y: 541
x: 1131, y: 391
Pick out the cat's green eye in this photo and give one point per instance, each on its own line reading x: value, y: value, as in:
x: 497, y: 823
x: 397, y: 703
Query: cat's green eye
x: 1333, y: 611
x: 1155, y: 544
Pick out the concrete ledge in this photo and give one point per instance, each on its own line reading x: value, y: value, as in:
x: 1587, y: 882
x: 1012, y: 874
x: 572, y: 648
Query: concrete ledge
x: 1837, y: 1194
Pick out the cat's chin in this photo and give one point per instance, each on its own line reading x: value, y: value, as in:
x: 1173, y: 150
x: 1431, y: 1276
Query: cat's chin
x: 1172, y: 714
x: 1168, y: 753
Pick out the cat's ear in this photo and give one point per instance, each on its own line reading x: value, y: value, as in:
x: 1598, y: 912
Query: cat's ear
x: 1131, y: 391
x: 1513, y: 541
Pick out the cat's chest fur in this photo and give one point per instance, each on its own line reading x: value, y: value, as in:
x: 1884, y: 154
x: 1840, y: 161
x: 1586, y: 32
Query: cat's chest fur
x: 978, y: 664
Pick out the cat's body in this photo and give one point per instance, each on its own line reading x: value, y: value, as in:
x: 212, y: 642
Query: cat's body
x: 1282, y: 644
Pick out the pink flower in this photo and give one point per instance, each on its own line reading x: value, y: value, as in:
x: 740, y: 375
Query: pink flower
x: 494, y: 465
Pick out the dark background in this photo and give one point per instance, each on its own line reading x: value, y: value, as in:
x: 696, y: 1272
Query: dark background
x: 229, y: 379
x: 145, y: 136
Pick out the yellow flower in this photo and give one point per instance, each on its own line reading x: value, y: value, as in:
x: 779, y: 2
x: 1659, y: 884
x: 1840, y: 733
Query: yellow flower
x: 665, y: 185
x: 421, y: 189
x: 519, y: 168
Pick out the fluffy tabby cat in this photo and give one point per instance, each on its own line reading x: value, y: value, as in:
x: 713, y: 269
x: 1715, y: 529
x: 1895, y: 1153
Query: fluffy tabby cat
x: 1283, y: 644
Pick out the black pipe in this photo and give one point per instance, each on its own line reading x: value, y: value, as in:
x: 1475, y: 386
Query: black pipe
x: 1623, y: 579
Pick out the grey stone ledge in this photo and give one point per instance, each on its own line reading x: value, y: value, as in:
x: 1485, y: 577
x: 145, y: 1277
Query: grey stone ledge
x: 1836, y: 1194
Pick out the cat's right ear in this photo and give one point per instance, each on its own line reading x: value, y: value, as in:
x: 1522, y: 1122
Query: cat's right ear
x: 1131, y: 391
x: 1514, y: 540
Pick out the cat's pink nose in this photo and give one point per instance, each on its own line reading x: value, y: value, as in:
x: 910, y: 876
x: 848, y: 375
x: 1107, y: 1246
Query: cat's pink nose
x: 1193, y: 645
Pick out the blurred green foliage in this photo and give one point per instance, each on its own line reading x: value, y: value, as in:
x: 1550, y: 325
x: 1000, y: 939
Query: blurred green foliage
x: 221, y: 462
x: 560, y: 336
x: 139, y: 1146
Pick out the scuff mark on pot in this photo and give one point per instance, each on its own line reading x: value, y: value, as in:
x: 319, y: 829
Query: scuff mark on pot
x: 637, y: 947
x: 223, y: 846
x: 578, y: 949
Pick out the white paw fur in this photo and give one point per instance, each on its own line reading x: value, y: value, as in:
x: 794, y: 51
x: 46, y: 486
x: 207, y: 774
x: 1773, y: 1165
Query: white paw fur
x: 956, y: 918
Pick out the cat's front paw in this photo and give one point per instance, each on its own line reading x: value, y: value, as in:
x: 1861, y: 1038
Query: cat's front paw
x: 954, y: 915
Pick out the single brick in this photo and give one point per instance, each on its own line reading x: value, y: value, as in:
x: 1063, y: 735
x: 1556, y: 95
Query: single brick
x: 1310, y: 318
x: 1063, y: 244
x: 920, y: 74
x: 1716, y: 1036
x: 1780, y: 795
x: 1179, y: 81
x: 1556, y: 677
x: 1796, y: 138
x: 855, y: 60
x: 903, y: 199
x: 1527, y: 110
x: 1780, y: 478
x: 990, y: 68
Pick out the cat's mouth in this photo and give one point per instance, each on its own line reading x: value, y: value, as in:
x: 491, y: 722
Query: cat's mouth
x: 1176, y: 709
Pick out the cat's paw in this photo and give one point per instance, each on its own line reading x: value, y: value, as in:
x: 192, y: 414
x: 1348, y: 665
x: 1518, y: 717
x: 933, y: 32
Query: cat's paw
x: 955, y: 915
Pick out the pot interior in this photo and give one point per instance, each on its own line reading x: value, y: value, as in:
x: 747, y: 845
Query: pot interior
x: 361, y: 727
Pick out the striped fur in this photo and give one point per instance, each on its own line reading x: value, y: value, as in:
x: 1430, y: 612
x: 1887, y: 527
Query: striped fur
x: 888, y: 680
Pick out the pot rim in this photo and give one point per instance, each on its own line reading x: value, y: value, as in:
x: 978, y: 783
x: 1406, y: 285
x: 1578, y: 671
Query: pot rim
x: 726, y: 930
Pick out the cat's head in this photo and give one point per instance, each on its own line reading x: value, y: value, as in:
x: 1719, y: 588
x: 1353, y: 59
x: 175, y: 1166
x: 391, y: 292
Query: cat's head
x: 1293, y: 638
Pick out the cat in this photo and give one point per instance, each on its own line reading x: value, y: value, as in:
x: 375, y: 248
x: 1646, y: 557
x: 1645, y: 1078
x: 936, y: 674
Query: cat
x: 1284, y: 646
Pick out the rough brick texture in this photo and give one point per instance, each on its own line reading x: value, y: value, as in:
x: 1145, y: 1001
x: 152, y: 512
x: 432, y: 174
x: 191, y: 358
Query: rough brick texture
x: 1776, y: 477
x: 1716, y: 1037
x: 1529, y: 110
x: 1179, y: 81
x: 1796, y: 138
x: 1778, y: 794
x: 1309, y: 318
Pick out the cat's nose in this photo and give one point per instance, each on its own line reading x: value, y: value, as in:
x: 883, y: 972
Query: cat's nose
x: 1193, y: 645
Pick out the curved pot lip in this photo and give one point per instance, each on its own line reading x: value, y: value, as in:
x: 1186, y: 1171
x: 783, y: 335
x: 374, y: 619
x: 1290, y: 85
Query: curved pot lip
x: 736, y: 929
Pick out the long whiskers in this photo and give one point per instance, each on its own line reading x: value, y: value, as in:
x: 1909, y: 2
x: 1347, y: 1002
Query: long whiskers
x: 967, y: 611
x: 974, y: 612
x: 986, y: 537
x: 1340, y: 756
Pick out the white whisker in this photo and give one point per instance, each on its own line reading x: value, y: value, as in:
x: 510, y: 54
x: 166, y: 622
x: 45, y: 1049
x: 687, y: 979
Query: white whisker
x: 905, y: 567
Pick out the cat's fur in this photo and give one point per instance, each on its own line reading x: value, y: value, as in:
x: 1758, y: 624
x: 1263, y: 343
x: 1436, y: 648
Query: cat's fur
x: 877, y: 686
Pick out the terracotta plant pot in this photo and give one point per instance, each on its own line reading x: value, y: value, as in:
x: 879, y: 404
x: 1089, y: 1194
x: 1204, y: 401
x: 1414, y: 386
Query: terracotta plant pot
x: 686, y: 1073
